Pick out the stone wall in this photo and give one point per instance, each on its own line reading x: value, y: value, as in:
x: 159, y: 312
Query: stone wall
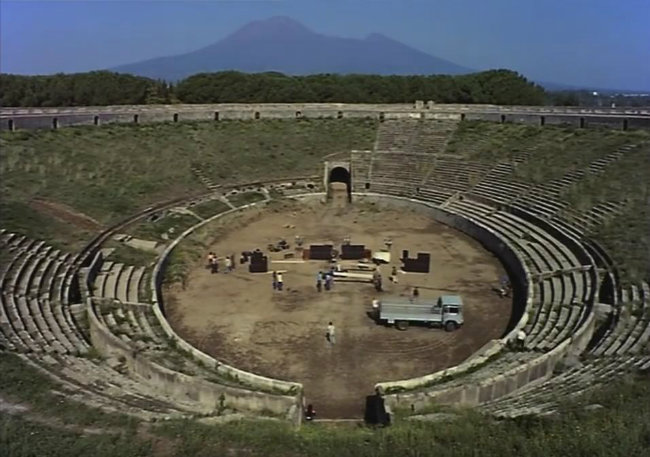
x: 208, y: 396
x: 519, y: 274
x: 47, y: 118
x: 417, y: 396
x: 250, y: 379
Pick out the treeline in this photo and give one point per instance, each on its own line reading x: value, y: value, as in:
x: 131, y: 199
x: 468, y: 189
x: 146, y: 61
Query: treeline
x: 96, y: 88
x: 498, y: 87
x: 105, y: 88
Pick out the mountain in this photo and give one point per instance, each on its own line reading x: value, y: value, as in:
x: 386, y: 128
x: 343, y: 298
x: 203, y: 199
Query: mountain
x: 284, y: 45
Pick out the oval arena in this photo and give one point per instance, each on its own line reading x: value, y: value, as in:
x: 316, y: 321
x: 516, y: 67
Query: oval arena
x: 168, y: 338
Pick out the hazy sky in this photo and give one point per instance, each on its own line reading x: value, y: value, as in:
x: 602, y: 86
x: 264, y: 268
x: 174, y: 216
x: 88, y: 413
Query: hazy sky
x: 596, y: 43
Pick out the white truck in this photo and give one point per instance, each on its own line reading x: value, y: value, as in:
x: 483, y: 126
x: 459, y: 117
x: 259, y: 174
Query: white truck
x: 445, y: 312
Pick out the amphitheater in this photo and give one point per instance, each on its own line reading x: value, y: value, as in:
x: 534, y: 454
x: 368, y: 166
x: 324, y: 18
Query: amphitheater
x: 98, y: 326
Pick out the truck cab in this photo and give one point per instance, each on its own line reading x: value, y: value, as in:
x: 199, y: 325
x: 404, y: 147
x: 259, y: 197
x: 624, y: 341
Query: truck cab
x: 452, y: 311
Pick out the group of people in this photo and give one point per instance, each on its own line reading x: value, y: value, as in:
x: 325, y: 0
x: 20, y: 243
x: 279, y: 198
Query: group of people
x: 324, y: 279
x: 213, y: 263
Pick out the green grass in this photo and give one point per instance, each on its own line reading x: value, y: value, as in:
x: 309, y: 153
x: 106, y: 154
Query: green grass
x: 627, y: 240
x: 627, y: 236
x: 210, y: 208
x: 23, y: 438
x: 165, y: 228
x: 129, y: 255
x: 19, y: 217
x: 556, y: 150
x: 620, y: 428
x: 112, y: 171
x: 22, y: 383
x: 246, y: 198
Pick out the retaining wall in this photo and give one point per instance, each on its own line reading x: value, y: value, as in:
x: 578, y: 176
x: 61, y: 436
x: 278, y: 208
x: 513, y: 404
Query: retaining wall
x: 209, y: 396
x: 519, y: 275
x: 536, y: 370
x: 250, y: 379
x: 39, y: 118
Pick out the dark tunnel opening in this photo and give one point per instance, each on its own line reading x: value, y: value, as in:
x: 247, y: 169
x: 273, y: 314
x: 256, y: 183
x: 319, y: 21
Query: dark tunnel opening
x: 342, y: 175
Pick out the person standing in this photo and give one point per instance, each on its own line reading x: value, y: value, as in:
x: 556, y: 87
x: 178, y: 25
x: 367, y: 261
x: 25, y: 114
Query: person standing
x: 319, y: 281
x: 310, y: 412
x: 275, y: 280
x: 331, y: 333
x: 280, y: 281
x: 415, y: 293
x: 228, y: 264
x: 521, y: 340
x: 328, y: 281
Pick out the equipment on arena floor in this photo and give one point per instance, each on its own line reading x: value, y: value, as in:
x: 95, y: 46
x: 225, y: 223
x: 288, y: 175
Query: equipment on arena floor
x: 352, y: 251
x: 259, y: 263
x: 381, y: 257
x: 320, y: 252
x: 342, y: 275
x: 279, y: 246
x: 417, y: 265
x: 375, y: 413
x: 445, y: 312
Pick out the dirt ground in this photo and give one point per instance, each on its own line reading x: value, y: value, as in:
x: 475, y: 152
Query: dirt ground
x: 66, y: 214
x: 239, y: 319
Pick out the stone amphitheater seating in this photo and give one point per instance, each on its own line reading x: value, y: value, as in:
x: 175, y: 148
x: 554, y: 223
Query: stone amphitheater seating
x: 547, y: 397
x: 40, y: 319
x: 120, y: 282
x: 623, y: 349
x: 454, y: 174
x: 35, y: 314
x: 560, y: 293
x: 414, y: 135
x: 545, y: 200
x: 37, y: 320
x: 564, y: 287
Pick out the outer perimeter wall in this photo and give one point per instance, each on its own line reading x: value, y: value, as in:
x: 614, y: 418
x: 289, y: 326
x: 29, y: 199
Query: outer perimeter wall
x: 34, y: 118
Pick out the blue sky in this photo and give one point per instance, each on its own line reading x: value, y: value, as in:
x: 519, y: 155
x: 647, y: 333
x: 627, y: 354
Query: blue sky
x: 596, y: 43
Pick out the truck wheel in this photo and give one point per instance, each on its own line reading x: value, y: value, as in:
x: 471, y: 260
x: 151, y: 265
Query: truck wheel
x: 450, y: 326
x: 401, y: 325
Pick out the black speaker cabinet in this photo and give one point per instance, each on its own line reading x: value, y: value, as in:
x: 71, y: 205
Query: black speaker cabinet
x: 320, y: 251
x: 375, y: 413
x: 352, y: 251
x: 259, y: 265
x: 417, y: 265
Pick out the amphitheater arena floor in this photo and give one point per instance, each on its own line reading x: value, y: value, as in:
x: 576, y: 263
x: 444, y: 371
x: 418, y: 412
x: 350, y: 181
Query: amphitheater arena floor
x: 240, y: 320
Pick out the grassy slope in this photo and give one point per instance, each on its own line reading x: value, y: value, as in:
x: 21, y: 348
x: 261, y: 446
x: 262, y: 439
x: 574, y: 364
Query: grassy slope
x: 557, y: 150
x: 112, y: 171
x: 620, y: 428
x: 626, y: 237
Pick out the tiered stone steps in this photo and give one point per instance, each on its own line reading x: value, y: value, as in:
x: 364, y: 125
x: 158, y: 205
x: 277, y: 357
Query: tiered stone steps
x: 429, y: 136
x: 35, y: 315
x: 119, y: 281
x: 548, y: 397
x: 560, y: 299
x: 34, y: 322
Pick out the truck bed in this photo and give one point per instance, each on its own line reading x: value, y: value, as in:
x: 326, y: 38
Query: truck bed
x: 409, y: 311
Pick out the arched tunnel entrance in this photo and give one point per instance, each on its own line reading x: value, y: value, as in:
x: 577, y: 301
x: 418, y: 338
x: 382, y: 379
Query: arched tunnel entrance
x: 339, y: 182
